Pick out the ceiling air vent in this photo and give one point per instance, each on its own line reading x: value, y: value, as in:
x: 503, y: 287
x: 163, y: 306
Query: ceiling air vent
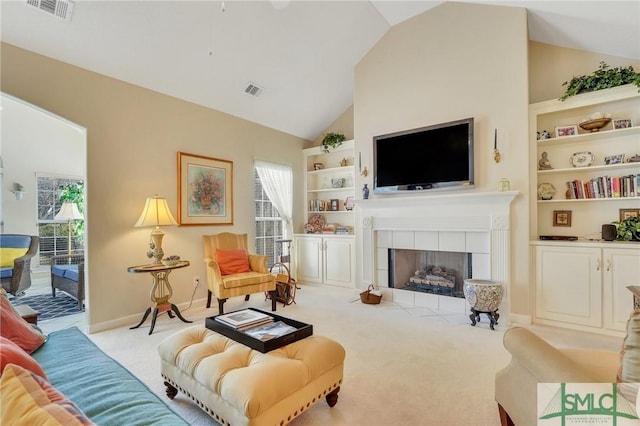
x: 59, y: 8
x: 253, y: 90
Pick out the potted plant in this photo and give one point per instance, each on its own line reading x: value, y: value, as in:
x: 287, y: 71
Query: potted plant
x: 332, y: 141
x: 602, y: 78
x: 628, y: 229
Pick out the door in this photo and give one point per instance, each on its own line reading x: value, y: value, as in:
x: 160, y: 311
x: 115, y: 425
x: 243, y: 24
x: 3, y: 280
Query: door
x: 338, y: 259
x: 621, y: 269
x: 568, y: 285
x: 308, y: 257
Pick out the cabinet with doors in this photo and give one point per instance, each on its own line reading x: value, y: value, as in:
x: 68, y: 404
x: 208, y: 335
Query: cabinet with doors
x: 584, y: 285
x: 325, y: 259
x: 584, y: 178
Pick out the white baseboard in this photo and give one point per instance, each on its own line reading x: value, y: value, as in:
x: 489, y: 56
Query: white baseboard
x: 520, y: 319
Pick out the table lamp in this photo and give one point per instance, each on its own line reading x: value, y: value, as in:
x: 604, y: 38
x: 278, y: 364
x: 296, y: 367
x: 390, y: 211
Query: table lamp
x: 69, y: 212
x: 156, y: 213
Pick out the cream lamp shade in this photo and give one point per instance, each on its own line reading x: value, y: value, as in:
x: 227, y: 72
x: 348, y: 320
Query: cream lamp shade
x: 69, y: 212
x: 156, y: 213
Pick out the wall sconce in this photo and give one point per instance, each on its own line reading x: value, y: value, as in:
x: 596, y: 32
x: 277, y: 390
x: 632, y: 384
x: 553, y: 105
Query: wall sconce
x: 18, y: 190
x: 363, y: 172
x: 496, y: 153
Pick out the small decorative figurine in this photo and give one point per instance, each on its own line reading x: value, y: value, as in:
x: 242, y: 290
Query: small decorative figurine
x: 544, y: 163
x: 365, y: 192
x: 543, y: 135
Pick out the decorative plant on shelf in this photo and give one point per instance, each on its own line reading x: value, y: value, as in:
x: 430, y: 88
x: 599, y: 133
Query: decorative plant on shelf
x: 628, y: 229
x: 332, y: 141
x: 602, y: 78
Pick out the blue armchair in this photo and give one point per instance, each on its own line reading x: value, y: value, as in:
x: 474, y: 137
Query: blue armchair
x: 16, y: 252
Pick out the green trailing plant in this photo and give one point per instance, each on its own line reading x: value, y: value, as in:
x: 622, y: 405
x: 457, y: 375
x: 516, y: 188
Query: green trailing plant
x: 332, y: 141
x: 74, y: 193
x: 628, y: 229
x: 17, y: 187
x: 602, y: 78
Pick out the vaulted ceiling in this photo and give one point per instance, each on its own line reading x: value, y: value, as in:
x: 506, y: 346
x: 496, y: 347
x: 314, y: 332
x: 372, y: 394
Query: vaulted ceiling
x: 300, y: 54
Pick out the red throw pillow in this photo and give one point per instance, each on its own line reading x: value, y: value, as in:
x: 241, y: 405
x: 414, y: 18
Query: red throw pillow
x: 10, y: 353
x: 16, y: 329
x: 232, y: 261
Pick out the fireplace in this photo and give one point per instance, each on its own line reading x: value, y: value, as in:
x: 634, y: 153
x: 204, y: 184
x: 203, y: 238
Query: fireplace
x: 429, y: 271
x: 473, y: 224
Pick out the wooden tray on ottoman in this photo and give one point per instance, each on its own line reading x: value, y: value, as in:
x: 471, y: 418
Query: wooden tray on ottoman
x: 302, y: 330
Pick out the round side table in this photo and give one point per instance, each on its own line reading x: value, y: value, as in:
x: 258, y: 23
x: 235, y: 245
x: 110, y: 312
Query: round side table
x: 484, y: 297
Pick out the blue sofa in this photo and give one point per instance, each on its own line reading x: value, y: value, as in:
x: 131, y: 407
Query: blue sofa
x: 15, y: 271
x: 97, y: 384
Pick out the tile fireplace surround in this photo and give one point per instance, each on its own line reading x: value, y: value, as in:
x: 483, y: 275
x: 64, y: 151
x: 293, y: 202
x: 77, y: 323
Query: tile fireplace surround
x: 469, y: 222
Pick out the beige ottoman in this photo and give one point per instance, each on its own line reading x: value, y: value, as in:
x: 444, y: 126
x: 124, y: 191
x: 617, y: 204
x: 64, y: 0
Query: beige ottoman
x: 237, y: 385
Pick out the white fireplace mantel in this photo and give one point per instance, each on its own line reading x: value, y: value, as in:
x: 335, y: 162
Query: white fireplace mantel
x: 481, y: 219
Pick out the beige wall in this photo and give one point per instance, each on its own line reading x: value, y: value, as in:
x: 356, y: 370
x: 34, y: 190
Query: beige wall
x: 343, y: 124
x: 454, y: 62
x: 550, y: 66
x: 133, y: 138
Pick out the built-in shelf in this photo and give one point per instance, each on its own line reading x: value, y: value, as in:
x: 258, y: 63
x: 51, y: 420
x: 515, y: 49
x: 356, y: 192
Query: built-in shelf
x: 590, y: 168
x: 589, y: 136
x: 345, y: 188
x: 582, y: 200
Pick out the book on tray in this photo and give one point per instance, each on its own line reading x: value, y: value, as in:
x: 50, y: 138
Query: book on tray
x: 270, y: 330
x: 244, y: 319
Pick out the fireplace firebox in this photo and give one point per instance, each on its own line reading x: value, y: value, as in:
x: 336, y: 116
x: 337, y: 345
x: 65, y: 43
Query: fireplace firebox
x: 436, y: 272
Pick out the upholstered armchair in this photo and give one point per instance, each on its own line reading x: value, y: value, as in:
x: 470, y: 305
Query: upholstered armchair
x: 15, y: 266
x: 67, y: 274
x: 534, y: 361
x: 232, y: 271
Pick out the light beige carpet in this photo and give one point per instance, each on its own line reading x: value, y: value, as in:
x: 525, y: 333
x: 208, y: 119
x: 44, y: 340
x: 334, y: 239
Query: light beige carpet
x: 404, y: 365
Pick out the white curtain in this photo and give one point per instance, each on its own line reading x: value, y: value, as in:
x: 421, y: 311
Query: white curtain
x: 277, y: 182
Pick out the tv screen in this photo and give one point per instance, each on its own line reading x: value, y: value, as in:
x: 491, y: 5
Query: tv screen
x: 433, y: 157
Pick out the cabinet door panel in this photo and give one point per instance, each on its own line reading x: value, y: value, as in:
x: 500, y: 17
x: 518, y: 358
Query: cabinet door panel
x: 309, y: 259
x: 568, y: 285
x: 338, y: 262
x: 621, y: 269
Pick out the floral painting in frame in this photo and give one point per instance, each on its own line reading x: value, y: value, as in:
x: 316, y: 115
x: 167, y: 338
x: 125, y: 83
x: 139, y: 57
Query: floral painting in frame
x: 205, y: 190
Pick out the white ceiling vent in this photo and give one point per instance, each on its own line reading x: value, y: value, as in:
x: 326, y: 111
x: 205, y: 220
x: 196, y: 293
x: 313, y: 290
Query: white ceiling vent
x: 253, y: 90
x: 59, y: 8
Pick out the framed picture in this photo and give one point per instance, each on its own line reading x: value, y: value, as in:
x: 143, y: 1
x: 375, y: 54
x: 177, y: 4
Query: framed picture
x: 627, y: 213
x: 614, y: 159
x: 622, y: 123
x: 334, y: 205
x: 562, y: 218
x: 205, y: 190
x: 562, y: 131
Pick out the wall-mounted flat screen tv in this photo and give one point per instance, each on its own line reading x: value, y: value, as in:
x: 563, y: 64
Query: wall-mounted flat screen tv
x: 429, y: 158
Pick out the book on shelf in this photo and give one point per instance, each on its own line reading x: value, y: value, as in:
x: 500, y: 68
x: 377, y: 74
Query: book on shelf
x: 243, y: 318
x: 604, y: 187
x: 270, y: 331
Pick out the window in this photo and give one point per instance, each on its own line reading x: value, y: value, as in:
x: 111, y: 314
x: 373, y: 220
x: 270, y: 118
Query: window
x: 54, y: 234
x: 269, y: 224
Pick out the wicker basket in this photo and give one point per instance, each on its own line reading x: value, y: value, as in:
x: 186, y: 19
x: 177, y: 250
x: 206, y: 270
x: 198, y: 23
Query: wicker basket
x: 368, y: 298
